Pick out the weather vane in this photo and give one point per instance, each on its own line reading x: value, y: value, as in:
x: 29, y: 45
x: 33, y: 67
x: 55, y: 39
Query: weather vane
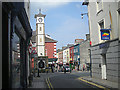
x: 40, y: 10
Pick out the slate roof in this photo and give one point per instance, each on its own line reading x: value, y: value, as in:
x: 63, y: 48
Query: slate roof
x: 39, y: 15
x: 33, y: 38
x: 49, y: 40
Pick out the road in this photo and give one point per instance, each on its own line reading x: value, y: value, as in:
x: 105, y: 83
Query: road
x: 68, y: 80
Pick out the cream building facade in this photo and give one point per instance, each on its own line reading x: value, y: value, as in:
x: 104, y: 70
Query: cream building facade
x: 104, y: 53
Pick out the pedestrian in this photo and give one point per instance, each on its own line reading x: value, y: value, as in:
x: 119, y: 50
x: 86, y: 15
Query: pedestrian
x: 64, y: 69
x: 83, y: 67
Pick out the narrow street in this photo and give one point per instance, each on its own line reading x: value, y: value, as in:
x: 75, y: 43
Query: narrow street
x: 60, y: 44
x: 63, y: 80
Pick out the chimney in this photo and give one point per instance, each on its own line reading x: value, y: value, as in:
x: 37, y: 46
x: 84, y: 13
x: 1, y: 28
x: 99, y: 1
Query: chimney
x: 78, y: 41
x: 63, y: 47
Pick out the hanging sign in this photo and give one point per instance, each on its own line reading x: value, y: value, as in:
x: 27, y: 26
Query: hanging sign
x: 105, y: 34
x: 30, y: 49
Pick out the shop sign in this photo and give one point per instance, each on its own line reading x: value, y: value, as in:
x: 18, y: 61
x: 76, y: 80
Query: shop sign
x: 105, y: 34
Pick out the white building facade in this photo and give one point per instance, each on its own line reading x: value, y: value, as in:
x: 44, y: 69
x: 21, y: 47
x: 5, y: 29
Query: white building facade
x: 64, y: 56
x: 104, y: 53
x: 40, y: 34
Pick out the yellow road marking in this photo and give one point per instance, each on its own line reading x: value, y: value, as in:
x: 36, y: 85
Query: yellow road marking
x: 93, y: 84
x: 48, y: 84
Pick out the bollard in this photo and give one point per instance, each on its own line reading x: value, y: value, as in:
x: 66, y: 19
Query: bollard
x: 38, y: 73
x: 30, y: 80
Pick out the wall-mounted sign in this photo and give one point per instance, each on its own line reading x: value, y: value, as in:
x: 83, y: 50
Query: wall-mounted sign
x: 105, y: 34
x: 30, y: 48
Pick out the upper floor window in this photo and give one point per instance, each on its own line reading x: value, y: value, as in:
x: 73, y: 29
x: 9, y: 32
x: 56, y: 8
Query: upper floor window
x: 40, y: 28
x: 40, y: 39
x: 99, y: 5
x: 101, y: 24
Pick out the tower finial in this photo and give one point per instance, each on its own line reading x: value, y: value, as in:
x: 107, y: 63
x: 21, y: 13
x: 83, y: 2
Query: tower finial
x: 40, y: 10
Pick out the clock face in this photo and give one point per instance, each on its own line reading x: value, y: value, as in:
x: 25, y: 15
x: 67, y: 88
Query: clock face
x: 40, y: 19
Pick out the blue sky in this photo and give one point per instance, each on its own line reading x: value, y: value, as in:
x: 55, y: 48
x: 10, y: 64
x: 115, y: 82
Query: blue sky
x: 63, y: 20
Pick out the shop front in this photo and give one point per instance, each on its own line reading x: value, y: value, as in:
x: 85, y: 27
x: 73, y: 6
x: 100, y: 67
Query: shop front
x: 16, y: 35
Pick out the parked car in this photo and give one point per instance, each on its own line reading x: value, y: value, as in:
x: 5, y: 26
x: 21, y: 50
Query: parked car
x: 66, y: 69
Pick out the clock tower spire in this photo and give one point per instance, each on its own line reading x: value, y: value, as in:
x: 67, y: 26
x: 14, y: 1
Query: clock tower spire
x: 40, y: 33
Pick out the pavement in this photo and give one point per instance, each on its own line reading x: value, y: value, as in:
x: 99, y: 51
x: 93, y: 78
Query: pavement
x: 102, y: 82
x: 39, y: 82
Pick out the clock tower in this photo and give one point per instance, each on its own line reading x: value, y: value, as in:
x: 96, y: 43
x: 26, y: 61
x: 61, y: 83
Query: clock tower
x: 40, y: 34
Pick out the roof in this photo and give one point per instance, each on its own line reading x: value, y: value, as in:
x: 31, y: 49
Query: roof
x: 39, y: 15
x: 49, y: 40
x: 68, y: 46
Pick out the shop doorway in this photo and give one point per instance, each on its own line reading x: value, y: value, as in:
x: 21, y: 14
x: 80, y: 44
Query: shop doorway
x: 103, y: 66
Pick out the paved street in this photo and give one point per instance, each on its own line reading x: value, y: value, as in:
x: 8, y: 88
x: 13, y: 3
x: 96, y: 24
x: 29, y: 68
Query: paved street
x: 61, y: 80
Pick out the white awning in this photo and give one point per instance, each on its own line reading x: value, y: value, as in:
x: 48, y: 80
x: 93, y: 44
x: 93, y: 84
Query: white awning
x: 49, y: 62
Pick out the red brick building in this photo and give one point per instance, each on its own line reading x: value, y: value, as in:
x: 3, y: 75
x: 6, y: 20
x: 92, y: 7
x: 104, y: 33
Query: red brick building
x: 72, y: 53
x: 50, y: 47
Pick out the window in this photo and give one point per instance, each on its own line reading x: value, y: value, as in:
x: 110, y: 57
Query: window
x: 99, y: 5
x: 101, y: 24
x: 40, y: 39
x: 40, y: 28
x: 15, y: 60
x: 71, y: 50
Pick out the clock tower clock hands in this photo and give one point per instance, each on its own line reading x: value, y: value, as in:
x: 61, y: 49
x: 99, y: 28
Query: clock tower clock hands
x: 40, y: 19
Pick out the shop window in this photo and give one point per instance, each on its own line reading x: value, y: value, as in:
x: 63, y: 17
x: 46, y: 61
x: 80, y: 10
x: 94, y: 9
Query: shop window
x: 15, y: 61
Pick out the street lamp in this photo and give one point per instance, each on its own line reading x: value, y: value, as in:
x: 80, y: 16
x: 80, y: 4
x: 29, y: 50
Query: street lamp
x: 90, y: 63
x: 83, y: 14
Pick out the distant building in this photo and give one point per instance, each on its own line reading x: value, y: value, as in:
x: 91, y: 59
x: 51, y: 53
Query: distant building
x: 72, y: 53
x: 85, y: 54
x: 78, y: 41
x: 50, y: 49
x: 60, y: 58
x: 76, y: 51
x: 66, y: 54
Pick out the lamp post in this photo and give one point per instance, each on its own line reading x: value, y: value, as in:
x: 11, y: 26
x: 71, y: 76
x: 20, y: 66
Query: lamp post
x: 83, y: 14
x: 90, y: 63
x: 90, y: 43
